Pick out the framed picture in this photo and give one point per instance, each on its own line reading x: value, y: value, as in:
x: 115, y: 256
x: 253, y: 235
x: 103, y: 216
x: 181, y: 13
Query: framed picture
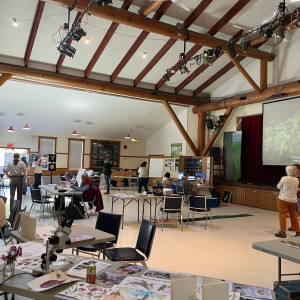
x: 226, y: 197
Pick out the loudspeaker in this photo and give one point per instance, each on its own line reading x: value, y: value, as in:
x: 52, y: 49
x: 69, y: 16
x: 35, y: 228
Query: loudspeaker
x: 214, y: 152
x: 51, y: 158
x: 209, y: 124
x: 52, y: 166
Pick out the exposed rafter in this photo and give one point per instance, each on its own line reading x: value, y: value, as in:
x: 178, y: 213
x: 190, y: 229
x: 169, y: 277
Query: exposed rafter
x: 95, y: 86
x: 34, y: 29
x: 110, y: 32
x: 187, y: 23
x: 62, y: 56
x: 140, y: 22
x: 275, y: 92
x: 213, y: 30
x: 160, y: 12
x: 150, y: 8
x: 4, y: 78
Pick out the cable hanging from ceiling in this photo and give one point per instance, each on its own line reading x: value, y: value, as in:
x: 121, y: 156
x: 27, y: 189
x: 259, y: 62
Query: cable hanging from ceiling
x: 267, y: 30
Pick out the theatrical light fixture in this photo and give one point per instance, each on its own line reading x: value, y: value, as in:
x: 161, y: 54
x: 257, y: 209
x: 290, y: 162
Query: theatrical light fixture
x: 78, y: 34
x: 182, y: 56
x: 166, y: 77
x: 184, y: 70
x: 87, y: 40
x: 206, y: 61
x: 298, y: 22
x: 10, y: 129
x: 103, y: 2
x: 128, y: 137
x: 74, y: 132
x: 266, y: 32
x: 144, y: 55
x: 83, y: 136
x: 245, y: 43
x: 214, y: 52
x: 280, y: 31
x: 15, y: 23
x: 26, y: 127
x: 66, y: 49
x: 231, y: 49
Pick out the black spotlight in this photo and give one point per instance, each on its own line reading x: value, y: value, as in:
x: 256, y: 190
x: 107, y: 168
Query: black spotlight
x: 66, y: 49
x: 280, y: 31
x: 216, y: 52
x: 209, y: 124
x: 103, y: 2
x: 267, y: 32
x: 231, y: 49
x: 166, y: 77
x: 78, y: 34
x: 245, y: 43
x: 208, y: 53
x: 182, y: 56
x: 221, y: 118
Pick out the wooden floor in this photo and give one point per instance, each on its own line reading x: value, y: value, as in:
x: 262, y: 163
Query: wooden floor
x: 224, y: 250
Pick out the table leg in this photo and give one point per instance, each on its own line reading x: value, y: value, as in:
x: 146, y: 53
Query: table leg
x: 112, y: 204
x: 123, y: 213
x: 104, y: 250
x: 138, y: 201
x: 279, y: 274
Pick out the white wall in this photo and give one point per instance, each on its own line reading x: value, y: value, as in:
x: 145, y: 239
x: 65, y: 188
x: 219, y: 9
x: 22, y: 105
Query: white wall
x: 130, y: 158
x: 160, y: 142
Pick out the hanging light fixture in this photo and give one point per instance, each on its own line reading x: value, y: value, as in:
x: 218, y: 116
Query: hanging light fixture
x: 26, y: 127
x: 74, y: 132
x: 15, y: 23
x: 128, y: 137
x: 10, y: 129
x: 83, y: 136
x: 133, y: 139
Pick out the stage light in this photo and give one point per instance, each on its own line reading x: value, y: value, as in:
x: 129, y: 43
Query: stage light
x: 182, y: 56
x: 280, y: 31
x: 184, y: 69
x: 103, y: 2
x: 267, y: 32
x: 298, y: 22
x: 206, y: 61
x: 15, y: 23
x: 166, y: 77
x: 231, y: 49
x: 66, y: 49
x: 78, y: 34
x: 245, y: 43
x: 198, y: 60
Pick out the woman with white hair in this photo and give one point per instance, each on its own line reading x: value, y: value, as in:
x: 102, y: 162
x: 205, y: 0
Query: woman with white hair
x: 288, y: 186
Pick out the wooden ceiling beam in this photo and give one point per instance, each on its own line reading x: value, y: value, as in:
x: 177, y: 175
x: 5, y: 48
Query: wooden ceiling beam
x: 189, y: 20
x: 34, y: 29
x: 171, y: 31
x: 150, y: 8
x: 63, y: 56
x: 110, y: 32
x: 263, y: 74
x: 285, y: 90
x: 211, y: 32
x: 243, y: 72
x: 157, y: 16
x: 4, y: 78
x: 180, y: 127
x: 216, y: 132
x: 95, y: 86
x: 203, y: 67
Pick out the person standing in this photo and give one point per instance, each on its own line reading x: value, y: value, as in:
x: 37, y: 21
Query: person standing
x: 25, y: 176
x: 297, y: 166
x: 2, y: 215
x: 37, y: 172
x: 15, y: 171
x: 143, y: 177
x: 288, y: 186
x: 107, y: 174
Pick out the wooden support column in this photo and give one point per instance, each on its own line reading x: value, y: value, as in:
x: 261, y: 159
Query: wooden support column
x: 150, y: 8
x: 201, y: 131
x: 263, y: 74
x: 4, y: 78
x: 216, y: 132
x: 180, y: 127
x: 244, y: 72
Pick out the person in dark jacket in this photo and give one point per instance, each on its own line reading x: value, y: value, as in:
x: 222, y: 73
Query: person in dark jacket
x: 107, y: 174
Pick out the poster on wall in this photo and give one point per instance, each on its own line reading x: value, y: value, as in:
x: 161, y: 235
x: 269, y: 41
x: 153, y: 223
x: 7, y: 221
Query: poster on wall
x: 176, y: 150
x: 232, y: 144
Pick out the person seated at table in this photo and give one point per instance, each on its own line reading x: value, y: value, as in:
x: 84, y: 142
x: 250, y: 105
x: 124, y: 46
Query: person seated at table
x: 2, y: 216
x: 187, y: 185
x: 70, y: 179
x: 166, y: 183
x: 86, y: 187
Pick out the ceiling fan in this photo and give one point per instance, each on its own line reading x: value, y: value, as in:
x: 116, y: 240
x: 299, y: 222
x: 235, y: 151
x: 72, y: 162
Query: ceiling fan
x: 177, y: 2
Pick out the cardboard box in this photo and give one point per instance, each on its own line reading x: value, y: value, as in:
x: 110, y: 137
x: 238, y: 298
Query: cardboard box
x: 290, y: 289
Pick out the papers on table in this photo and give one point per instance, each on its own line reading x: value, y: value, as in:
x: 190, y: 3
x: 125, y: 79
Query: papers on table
x: 128, y: 269
x: 252, y: 292
x: 49, y: 281
x: 109, y: 279
x: 79, y: 270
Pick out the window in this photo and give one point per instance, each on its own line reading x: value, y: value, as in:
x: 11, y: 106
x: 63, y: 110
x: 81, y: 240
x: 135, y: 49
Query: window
x: 75, y: 161
x: 47, y: 145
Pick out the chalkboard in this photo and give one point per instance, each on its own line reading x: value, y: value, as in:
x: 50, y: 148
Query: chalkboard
x: 156, y: 167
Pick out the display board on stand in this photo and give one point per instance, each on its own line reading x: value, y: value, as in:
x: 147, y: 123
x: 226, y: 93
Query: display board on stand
x: 156, y: 167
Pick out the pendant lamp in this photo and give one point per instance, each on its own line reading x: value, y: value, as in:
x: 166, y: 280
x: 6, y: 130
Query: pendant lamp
x: 10, y: 129
x: 74, y: 132
x: 26, y: 127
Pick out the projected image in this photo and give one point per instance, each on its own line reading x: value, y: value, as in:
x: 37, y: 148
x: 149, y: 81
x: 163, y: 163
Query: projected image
x: 281, y: 132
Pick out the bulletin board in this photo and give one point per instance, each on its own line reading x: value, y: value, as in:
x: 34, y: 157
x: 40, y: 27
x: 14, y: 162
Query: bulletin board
x: 156, y: 167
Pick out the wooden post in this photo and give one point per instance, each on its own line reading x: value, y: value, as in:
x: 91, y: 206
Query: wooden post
x: 216, y: 132
x: 150, y: 8
x: 201, y: 131
x: 180, y: 127
x: 263, y: 74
